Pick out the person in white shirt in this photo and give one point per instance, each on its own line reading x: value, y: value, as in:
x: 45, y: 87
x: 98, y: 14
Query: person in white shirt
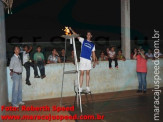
x: 54, y: 57
x: 27, y: 62
x: 16, y: 70
x: 111, y: 57
x: 149, y: 54
x: 87, y: 50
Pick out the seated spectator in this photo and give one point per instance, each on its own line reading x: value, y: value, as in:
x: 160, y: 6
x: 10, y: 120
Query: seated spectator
x: 112, y: 56
x: 40, y: 61
x: 149, y: 54
x: 62, y: 56
x: 71, y: 58
x: 27, y: 62
x: 107, y: 53
x: 120, y: 56
x: 133, y: 52
x: 54, y: 57
x: 160, y: 55
x: 102, y: 57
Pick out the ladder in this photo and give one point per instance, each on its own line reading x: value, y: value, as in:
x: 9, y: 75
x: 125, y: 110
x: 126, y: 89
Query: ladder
x: 78, y: 94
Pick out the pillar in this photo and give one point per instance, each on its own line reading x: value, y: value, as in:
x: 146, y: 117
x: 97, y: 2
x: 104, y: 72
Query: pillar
x: 3, y: 77
x: 125, y: 28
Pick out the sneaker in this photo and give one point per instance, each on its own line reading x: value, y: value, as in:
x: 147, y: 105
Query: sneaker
x: 88, y: 89
x: 37, y: 76
x: 80, y: 89
x: 21, y: 103
x: 43, y: 76
x: 28, y: 83
x: 139, y: 91
x: 15, y: 105
x: 144, y: 91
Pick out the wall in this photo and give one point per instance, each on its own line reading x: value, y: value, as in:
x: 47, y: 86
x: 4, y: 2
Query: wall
x: 102, y: 80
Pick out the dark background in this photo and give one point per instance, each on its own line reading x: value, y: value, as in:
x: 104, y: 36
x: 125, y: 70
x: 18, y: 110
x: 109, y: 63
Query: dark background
x: 45, y: 19
x: 40, y: 22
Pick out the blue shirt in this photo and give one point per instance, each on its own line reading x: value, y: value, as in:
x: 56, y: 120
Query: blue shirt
x: 86, y: 48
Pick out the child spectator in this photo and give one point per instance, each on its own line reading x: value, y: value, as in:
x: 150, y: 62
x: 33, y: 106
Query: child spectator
x: 62, y: 56
x: 107, y: 51
x: 72, y: 58
x: 27, y: 62
x: 133, y: 52
x: 112, y: 56
x: 54, y: 57
x: 149, y: 54
x: 40, y: 61
x: 102, y: 57
x: 120, y: 56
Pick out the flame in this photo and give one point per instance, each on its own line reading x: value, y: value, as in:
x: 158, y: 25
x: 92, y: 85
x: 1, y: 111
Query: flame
x: 67, y: 31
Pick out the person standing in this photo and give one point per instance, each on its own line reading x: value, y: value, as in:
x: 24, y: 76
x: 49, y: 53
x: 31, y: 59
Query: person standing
x: 16, y: 70
x: 28, y: 63
x: 40, y: 61
x: 141, y: 68
x: 87, y: 50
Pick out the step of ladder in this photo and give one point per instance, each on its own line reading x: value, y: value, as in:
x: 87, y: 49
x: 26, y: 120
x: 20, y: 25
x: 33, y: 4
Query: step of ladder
x: 71, y: 72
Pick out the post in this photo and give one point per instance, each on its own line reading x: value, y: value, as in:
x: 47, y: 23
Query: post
x: 125, y: 28
x: 3, y: 77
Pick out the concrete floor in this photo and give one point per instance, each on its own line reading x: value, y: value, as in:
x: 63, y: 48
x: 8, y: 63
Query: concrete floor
x: 125, y: 106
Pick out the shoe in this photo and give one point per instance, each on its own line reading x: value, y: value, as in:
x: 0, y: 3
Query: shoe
x: 28, y: 83
x: 21, y: 103
x: 144, y: 91
x: 80, y: 89
x: 116, y: 67
x: 43, y: 76
x: 37, y: 76
x: 139, y: 91
x: 88, y: 89
x: 14, y: 105
x: 110, y: 68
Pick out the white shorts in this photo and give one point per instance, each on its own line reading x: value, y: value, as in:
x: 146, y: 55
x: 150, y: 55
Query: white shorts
x: 85, y: 64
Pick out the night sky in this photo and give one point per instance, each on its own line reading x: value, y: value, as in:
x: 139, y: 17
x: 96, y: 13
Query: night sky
x: 47, y: 18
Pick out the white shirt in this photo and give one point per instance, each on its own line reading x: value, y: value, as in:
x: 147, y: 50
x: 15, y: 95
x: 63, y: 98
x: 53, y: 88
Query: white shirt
x: 81, y: 40
x: 25, y: 57
x: 149, y: 55
x: 15, y: 64
x: 111, y: 54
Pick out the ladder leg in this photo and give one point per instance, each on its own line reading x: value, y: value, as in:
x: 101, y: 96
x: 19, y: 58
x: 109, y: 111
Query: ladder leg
x: 77, y: 67
x: 75, y: 99
x: 63, y: 76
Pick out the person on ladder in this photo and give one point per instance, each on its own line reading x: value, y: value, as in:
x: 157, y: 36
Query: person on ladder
x: 87, y: 50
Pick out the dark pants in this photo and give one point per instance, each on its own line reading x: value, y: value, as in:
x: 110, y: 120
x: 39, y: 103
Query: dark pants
x: 27, y: 66
x: 41, y: 67
x: 142, y: 80
x: 110, y: 62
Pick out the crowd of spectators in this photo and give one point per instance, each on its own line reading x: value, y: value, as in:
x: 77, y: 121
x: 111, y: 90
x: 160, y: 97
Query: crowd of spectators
x: 110, y: 54
x: 38, y: 59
